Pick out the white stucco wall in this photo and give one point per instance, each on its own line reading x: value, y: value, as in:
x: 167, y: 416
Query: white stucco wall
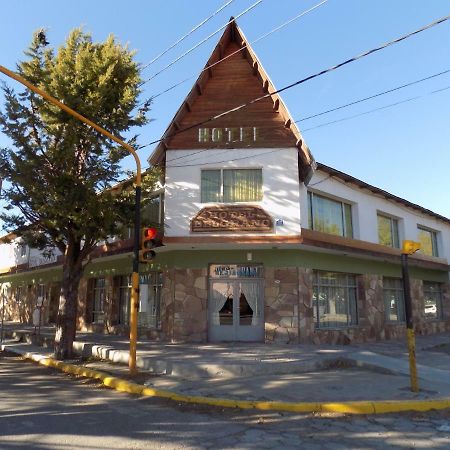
x: 280, y: 185
x: 366, y: 205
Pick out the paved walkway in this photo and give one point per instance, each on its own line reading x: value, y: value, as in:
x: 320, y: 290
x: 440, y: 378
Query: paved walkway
x: 293, y: 373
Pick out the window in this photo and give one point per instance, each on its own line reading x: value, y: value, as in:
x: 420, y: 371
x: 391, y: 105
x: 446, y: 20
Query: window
x: 329, y: 216
x: 150, y: 286
x: 432, y: 300
x: 428, y: 241
x: 152, y: 211
x: 231, y: 185
x: 124, y: 299
x: 334, y: 300
x: 23, y: 250
x: 388, y: 231
x: 98, y: 296
x: 394, y: 302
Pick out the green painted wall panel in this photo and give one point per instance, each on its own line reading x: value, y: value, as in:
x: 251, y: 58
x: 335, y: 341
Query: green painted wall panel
x: 270, y: 258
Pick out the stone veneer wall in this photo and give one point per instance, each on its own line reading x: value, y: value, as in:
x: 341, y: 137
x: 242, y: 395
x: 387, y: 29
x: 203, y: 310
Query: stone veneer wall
x: 185, y: 302
x: 281, y: 305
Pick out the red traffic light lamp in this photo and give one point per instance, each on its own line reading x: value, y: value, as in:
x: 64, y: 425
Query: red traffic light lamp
x: 148, y: 242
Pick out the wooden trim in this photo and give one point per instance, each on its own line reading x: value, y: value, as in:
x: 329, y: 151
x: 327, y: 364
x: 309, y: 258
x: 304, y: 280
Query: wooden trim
x: 245, y: 239
x: 332, y: 242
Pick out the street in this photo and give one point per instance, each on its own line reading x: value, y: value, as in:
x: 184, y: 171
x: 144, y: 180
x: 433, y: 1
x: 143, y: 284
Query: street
x: 44, y: 409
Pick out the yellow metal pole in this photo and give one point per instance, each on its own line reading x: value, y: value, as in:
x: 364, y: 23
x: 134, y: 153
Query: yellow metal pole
x: 408, y: 248
x: 137, y: 225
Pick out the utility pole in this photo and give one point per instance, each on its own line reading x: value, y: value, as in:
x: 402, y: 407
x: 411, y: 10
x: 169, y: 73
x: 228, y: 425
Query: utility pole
x: 408, y: 248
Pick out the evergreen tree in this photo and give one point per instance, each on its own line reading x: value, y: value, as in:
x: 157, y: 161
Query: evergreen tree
x: 59, y: 172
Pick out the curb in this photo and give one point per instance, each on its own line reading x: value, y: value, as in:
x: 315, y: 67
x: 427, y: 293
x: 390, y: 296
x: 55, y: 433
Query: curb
x: 353, y: 407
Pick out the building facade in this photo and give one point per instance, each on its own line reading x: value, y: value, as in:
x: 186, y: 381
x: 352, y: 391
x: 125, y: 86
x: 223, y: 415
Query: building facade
x: 261, y: 243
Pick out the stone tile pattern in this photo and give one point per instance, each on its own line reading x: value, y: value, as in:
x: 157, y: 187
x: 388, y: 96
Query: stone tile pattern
x: 288, y: 309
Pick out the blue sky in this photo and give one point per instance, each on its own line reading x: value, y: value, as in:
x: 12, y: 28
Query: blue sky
x: 403, y: 149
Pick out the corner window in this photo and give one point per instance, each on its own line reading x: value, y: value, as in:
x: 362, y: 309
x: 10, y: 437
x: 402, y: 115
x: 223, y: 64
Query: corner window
x: 329, y: 216
x: 428, y: 241
x: 432, y: 300
x: 394, y: 302
x: 231, y: 185
x: 152, y: 210
x: 388, y: 231
x: 334, y: 300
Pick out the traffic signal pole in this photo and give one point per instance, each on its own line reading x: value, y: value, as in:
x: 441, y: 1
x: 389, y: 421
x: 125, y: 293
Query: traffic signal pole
x: 408, y: 248
x: 137, y: 216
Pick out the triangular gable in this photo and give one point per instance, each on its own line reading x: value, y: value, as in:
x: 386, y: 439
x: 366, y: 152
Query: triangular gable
x: 235, y: 81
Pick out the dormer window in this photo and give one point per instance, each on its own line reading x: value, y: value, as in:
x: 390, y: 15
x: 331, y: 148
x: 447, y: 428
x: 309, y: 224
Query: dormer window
x: 231, y: 185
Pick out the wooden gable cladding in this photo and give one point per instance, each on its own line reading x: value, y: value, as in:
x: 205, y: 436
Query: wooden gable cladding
x: 232, y: 84
x: 233, y: 76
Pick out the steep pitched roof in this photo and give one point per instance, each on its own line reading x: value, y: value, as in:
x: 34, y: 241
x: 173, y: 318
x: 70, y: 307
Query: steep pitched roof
x: 236, y: 80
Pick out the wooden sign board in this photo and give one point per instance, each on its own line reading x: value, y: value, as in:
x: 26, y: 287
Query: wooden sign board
x: 232, y: 218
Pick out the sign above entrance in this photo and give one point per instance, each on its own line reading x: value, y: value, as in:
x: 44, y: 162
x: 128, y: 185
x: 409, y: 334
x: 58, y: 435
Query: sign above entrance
x: 232, y: 218
x: 234, y: 271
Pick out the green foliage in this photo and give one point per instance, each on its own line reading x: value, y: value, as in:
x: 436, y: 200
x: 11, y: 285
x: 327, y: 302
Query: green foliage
x: 60, y: 171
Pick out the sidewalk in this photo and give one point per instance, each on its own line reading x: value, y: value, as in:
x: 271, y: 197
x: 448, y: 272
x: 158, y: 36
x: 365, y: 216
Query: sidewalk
x: 264, y: 372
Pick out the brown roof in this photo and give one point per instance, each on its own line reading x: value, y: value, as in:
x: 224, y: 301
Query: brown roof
x: 241, y: 74
x: 375, y: 190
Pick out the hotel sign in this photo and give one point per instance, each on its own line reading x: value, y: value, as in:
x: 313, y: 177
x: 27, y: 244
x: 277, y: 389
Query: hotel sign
x: 232, y: 218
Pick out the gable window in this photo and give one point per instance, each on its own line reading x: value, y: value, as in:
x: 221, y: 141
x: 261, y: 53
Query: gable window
x: 432, y: 300
x: 428, y: 241
x: 231, y: 185
x: 329, y: 216
x: 388, y: 231
x: 334, y: 300
x: 394, y: 302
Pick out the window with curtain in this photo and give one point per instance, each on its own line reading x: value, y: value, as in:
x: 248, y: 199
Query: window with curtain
x: 394, y: 301
x: 334, y: 300
x: 231, y: 185
x: 432, y: 300
x: 428, y: 241
x: 329, y: 216
x: 388, y: 231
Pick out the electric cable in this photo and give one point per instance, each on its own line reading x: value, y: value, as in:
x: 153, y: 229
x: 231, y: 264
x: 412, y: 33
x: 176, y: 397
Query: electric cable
x: 349, y: 104
x: 374, y: 96
x: 181, y: 39
x: 200, y: 43
x: 303, y: 80
x: 279, y: 27
x: 377, y: 109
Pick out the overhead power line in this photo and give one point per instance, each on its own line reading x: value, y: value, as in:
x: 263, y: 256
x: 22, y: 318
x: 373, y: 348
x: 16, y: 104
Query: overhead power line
x: 279, y: 27
x: 303, y: 80
x: 344, y: 106
x: 329, y: 123
x: 201, y: 42
x: 372, y: 96
x: 377, y: 109
x: 181, y: 39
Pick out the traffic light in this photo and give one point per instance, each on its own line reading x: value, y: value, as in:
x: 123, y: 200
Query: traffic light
x: 410, y: 247
x: 148, y: 241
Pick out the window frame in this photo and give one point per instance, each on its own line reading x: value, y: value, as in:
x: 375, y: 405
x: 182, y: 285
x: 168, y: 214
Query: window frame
x: 434, y: 240
x: 221, y: 191
x: 342, y: 203
x: 392, y: 219
x: 347, y: 286
x: 401, y: 313
x: 98, y: 315
x: 439, y: 301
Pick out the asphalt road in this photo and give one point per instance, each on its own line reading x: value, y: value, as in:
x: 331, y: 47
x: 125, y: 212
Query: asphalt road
x: 43, y: 409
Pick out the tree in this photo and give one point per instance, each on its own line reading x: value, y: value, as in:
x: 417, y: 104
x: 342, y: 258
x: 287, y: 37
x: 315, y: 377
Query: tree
x: 59, y: 171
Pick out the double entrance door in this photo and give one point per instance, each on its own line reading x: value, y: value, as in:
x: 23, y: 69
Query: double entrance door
x: 236, y: 310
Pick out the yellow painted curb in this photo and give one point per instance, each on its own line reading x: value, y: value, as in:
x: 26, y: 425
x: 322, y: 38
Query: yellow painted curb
x: 356, y: 407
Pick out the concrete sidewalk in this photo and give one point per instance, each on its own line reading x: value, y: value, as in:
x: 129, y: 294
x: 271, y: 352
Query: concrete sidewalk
x: 293, y: 373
